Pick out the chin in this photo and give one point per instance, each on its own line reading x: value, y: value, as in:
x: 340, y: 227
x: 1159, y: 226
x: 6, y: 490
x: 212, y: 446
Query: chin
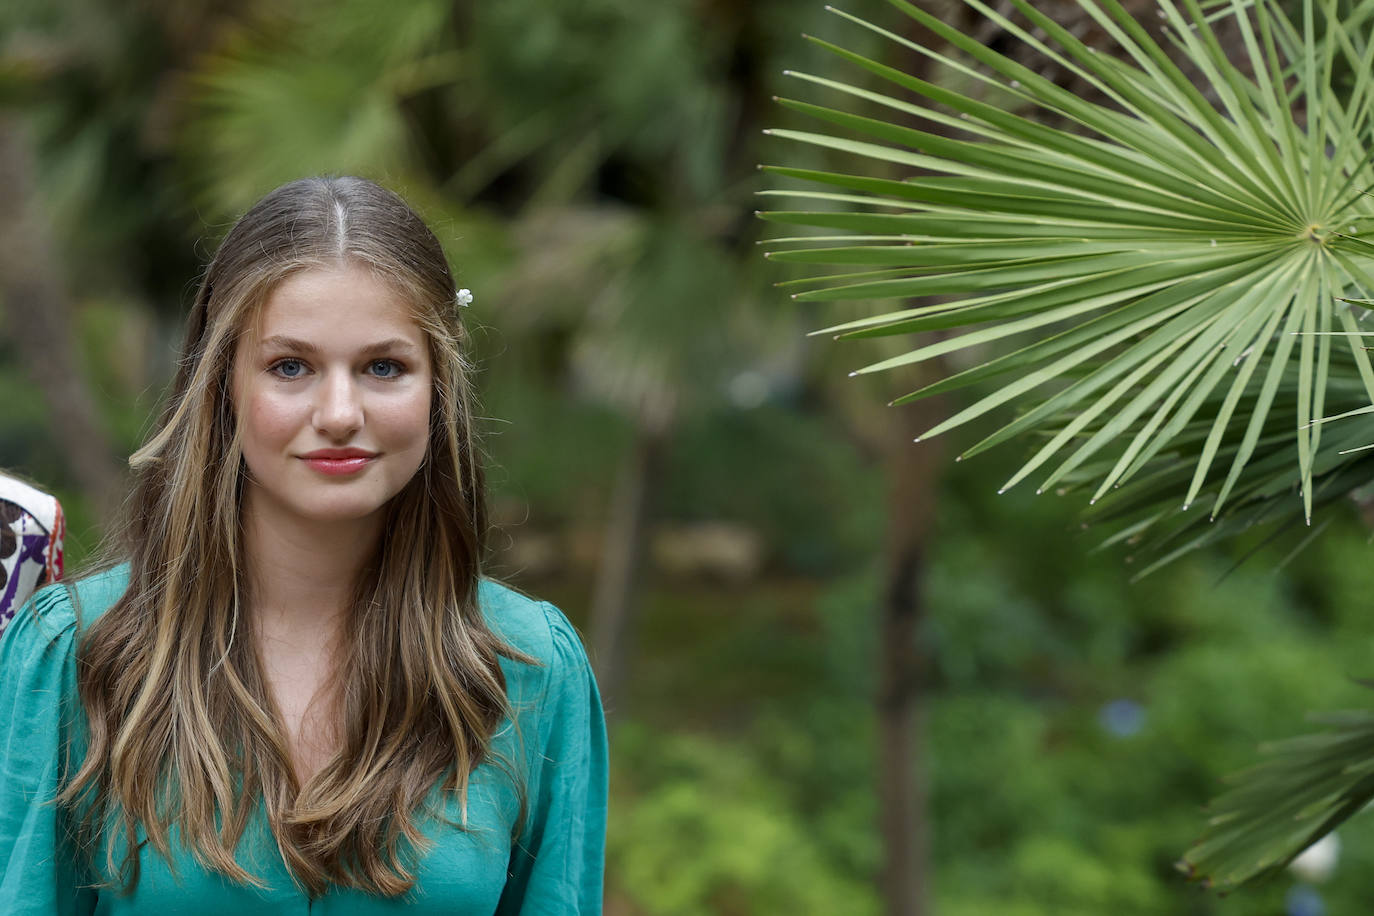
x: 340, y: 510
x: 347, y: 513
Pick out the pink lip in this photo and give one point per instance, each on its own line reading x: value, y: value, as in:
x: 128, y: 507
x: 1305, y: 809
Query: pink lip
x: 338, y: 461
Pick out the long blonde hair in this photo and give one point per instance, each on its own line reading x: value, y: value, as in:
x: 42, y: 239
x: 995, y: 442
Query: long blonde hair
x: 182, y: 732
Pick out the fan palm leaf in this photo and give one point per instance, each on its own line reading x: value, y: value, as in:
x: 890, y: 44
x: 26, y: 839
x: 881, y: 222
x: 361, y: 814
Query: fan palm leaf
x: 1307, y: 787
x: 1154, y: 275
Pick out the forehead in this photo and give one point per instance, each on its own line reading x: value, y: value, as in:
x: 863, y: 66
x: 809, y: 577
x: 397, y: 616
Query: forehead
x: 335, y: 305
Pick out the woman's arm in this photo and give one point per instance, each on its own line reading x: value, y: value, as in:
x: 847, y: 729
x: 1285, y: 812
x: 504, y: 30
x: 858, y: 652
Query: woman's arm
x: 557, y: 865
x: 38, y: 873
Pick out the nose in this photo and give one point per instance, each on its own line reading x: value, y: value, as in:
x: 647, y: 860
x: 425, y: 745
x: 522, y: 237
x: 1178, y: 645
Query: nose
x: 338, y: 406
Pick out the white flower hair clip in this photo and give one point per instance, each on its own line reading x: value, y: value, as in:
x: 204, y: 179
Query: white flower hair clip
x: 463, y: 298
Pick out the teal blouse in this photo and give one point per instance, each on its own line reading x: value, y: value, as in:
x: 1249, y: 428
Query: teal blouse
x: 557, y: 743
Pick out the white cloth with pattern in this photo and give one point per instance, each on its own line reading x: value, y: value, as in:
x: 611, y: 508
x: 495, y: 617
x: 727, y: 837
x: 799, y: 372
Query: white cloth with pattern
x: 31, y: 530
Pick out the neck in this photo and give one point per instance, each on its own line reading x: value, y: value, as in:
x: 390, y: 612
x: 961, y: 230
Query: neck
x: 301, y: 575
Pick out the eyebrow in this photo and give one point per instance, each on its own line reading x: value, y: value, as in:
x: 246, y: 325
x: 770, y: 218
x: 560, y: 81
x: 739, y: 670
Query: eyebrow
x: 296, y: 345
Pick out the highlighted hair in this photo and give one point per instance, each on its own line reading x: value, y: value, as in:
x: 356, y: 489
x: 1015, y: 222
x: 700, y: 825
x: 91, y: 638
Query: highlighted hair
x: 183, y: 734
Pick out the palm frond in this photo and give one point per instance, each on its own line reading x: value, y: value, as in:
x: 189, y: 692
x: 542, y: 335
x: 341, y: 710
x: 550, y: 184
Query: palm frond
x: 1306, y: 787
x: 1162, y: 275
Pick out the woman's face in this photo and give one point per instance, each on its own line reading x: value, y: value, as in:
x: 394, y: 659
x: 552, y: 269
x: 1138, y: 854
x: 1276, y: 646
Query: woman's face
x: 332, y: 392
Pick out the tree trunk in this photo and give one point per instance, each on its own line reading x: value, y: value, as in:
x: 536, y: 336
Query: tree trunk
x: 913, y: 472
x: 37, y: 317
x: 622, y: 554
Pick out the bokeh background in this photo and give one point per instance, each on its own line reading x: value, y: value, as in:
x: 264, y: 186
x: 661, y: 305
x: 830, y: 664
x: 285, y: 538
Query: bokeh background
x: 829, y: 655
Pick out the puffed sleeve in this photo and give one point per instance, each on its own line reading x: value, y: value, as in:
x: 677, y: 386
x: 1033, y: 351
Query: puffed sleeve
x: 37, y: 707
x: 558, y: 861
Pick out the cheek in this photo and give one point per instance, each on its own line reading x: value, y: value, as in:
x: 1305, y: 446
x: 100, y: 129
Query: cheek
x: 268, y: 422
x: 404, y: 422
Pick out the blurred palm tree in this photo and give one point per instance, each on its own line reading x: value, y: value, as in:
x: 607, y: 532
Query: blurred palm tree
x: 1170, y: 279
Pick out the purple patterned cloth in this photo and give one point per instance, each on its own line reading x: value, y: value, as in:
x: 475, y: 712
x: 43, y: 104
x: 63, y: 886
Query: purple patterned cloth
x: 31, y: 530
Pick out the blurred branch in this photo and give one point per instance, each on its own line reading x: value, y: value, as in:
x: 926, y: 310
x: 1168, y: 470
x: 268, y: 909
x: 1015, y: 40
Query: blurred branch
x: 616, y: 597
x: 913, y: 473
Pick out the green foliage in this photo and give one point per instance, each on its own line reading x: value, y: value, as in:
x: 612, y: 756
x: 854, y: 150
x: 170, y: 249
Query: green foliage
x: 24, y: 439
x: 563, y: 483
x: 312, y: 87
x: 727, y: 840
x: 815, y: 506
x: 564, y: 102
x: 124, y: 360
x: 763, y: 696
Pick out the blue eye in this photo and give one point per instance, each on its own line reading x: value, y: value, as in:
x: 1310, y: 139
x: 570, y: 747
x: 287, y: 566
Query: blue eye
x: 289, y: 368
x: 385, y: 368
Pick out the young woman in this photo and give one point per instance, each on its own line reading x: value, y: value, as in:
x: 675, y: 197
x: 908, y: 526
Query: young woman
x: 296, y: 693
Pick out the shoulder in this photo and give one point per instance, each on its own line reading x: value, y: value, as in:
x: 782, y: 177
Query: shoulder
x: 93, y: 594
x: 528, y: 625
x: 56, y: 613
x: 46, y: 619
x: 555, y: 700
x: 561, y: 673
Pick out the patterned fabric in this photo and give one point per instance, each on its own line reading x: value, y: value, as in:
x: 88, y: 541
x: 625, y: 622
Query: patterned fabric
x: 31, y: 530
